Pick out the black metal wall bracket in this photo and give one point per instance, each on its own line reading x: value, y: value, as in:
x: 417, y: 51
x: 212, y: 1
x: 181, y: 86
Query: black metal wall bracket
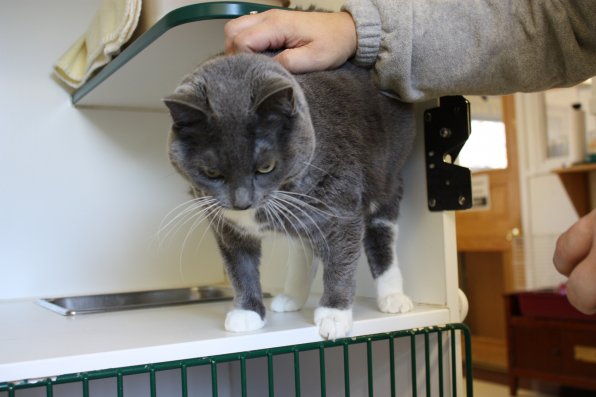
x: 446, y: 129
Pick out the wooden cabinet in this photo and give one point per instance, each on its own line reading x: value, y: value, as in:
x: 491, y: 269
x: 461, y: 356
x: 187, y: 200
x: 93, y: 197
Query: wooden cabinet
x: 576, y: 180
x: 557, y: 349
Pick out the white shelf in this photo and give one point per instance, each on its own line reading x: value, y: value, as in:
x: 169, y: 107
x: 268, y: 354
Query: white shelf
x: 37, y: 343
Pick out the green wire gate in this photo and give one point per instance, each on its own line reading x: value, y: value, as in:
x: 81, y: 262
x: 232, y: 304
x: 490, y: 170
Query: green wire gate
x: 419, y: 362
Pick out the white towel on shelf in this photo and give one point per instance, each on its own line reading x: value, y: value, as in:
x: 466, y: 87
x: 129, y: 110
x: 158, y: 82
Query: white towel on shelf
x: 111, y: 27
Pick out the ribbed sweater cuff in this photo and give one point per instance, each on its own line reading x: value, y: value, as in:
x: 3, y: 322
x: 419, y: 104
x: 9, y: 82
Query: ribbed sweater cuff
x: 368, y: 29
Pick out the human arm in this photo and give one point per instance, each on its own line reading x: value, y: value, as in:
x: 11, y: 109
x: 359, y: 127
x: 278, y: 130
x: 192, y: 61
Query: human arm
x: 426, y: 49
x: 431, y: 48
x: 575, y: 257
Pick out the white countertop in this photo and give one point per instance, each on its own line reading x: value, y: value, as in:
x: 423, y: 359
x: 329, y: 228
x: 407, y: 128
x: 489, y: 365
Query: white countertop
x: 37, y: 343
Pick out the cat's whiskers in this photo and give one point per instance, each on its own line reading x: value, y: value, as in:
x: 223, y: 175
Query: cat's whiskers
x: 271, y: 216
x: 199, y: 218
x: 210, y: 212
x: 296, y: 204
x: 183, y: 216
x: 284, y: 204
x: 190, y: 204
x: 299, y: 199
x: 271, y: 207
x: 166, y: 223
x: 193, y: 212
x: 220, y: 218
x: 197, y: 212
x: 304, y: 250
x: 309, y: 164
x: 280, y: 209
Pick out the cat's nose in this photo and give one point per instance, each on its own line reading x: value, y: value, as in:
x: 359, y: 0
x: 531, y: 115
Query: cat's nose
x: 242, y: 199
x: 242, y: 207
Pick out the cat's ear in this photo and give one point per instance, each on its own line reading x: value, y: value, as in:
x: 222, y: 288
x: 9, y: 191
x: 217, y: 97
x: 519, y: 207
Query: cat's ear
x: 276, y: 96
x: 183, y: 111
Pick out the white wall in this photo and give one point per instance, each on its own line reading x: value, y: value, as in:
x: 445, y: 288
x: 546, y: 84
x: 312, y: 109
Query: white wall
x: 546, y: 208
x: 82, y: 192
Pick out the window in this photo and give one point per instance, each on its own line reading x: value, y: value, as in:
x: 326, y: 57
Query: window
x: 486, y: 148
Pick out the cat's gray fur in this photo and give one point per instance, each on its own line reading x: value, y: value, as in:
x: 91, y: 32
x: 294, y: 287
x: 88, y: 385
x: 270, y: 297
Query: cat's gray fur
x: 336, y: 145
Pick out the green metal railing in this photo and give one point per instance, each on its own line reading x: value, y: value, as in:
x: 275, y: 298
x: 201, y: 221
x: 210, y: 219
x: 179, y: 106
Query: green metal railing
x: 379, y: 379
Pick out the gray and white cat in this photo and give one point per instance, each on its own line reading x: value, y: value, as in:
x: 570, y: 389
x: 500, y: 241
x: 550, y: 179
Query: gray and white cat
x: 316, y: 157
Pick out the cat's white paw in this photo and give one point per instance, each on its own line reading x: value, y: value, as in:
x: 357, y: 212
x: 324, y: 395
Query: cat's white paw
x: 239, y: 320
x: 333, y: 323
x: 285, y: 303
x: 395, y: 303
x: 390, y: 296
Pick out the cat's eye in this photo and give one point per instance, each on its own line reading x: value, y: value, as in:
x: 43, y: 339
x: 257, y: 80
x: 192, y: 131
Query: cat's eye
x: 266, y: 168
x: 212, y: 173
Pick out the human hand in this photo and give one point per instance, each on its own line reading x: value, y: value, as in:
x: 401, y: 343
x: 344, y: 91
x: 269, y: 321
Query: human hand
x: 575, y: 257
x: 311, y: 40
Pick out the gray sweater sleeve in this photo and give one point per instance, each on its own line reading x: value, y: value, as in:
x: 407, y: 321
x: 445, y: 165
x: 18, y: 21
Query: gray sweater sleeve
x: 426, y: 49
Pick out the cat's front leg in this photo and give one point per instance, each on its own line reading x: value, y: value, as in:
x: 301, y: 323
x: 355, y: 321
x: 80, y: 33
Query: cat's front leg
x: 302, y: 269
x: 242, y: 253
x: 334, y: 314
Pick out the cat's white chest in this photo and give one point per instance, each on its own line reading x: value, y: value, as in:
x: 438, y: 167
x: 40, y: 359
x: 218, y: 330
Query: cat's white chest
x: 245, y: 220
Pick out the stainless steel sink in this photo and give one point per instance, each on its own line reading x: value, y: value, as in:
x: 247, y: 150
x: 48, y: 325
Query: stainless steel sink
x: 74, y: 305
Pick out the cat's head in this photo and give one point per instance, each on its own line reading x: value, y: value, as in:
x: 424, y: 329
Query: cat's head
x: 241, y: 129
